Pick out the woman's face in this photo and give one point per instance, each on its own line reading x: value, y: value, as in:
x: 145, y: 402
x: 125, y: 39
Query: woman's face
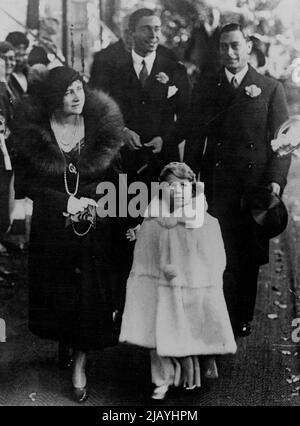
x: 178, y: 192
x: 74, y: 98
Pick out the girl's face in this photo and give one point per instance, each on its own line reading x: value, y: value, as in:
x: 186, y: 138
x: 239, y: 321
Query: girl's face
x: 178, y: 192
x: 74, y: 99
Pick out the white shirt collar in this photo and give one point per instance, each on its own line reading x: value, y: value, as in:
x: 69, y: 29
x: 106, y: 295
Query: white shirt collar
x: 138, y: 62
x: 239, y: 76
x: 22, y: 80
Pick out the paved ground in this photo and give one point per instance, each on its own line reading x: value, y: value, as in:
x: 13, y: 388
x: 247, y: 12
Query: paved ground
x: 265, y: 370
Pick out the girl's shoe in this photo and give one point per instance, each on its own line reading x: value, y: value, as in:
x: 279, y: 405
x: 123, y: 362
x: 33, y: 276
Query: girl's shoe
x: 190, y: 388
x: 160, y: 392
x: 80, y: 394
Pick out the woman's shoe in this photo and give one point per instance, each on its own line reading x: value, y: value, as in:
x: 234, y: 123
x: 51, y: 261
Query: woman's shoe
x: 209, y: 366
x: 80, y: 394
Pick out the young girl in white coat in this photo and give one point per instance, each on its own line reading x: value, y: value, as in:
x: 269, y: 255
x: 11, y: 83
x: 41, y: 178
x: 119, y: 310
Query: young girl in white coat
x: 174, y: 299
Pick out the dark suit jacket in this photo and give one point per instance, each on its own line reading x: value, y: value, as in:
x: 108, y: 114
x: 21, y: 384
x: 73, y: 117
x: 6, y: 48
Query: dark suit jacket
x: 148, y: 111
x: 238, y: 129
x: 104, y: 63
x: 16, y: 87
x: 106, y: 60
x: 230, y: 141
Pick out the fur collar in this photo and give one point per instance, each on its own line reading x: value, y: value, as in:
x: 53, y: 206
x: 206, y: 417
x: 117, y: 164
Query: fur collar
x: 34, y: 141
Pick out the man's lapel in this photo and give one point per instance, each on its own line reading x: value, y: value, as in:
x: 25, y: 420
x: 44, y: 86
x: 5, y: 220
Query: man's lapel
x: 227, y: 97
x: 225, y: 93
x: 153, y: 86
x: 129, y: 73
x: 249, y: 79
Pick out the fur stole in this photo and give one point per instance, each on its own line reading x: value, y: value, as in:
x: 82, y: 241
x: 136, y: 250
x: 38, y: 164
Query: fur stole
x: 34, y: 141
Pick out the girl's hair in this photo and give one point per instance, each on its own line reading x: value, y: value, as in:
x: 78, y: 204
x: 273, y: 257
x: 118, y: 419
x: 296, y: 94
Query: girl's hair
x: 181, y: 171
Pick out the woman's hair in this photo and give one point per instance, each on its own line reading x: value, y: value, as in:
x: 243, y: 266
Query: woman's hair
x: 5, y: 47
x: 52, y: 89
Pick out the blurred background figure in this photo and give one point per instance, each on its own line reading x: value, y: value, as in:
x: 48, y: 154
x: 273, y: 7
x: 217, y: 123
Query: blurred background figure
x: 257, y: 57
x: 18, y: 79
x: 17, y: 235
x: 7, y: 102
x: 202, y: 48
x: 45, y: 50
x: 38, y: 55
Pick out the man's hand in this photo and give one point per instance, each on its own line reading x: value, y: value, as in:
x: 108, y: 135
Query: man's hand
x: 2, y: 71
x: 275, y: 187
x: 132, y: 139
x: 156, y: 144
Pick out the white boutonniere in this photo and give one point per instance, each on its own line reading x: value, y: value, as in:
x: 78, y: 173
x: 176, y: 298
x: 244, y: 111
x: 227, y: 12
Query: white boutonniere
x: 253, y: 91
x: 162, y: 78
x: 172, y: 90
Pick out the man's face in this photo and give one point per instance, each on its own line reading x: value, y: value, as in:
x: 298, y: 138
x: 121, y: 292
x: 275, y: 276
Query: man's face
x: 146, y: 35
x: 21, y: 57
x: 234, y: 50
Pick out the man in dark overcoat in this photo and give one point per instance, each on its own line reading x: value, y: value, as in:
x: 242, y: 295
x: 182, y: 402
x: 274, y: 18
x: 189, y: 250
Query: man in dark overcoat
x: 153, y: 92
x: 235, y: 115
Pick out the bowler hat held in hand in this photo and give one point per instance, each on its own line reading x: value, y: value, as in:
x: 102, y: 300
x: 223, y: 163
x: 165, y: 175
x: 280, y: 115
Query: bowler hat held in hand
x: 266, y: 209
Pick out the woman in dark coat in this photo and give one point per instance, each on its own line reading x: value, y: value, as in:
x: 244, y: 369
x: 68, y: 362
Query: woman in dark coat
x: 67, y: 142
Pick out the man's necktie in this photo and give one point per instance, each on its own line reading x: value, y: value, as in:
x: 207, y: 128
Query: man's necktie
x: 234, y: 83
x: 143, y: 74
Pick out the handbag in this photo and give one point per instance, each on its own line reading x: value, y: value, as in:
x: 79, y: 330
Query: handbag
x: 87, y: 216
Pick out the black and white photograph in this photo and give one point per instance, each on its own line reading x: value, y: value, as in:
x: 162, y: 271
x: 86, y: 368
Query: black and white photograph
x: 149, y: 205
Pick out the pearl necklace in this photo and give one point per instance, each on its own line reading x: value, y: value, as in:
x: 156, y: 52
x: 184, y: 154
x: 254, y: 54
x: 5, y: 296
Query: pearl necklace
x: 68, y: 135
x: 77, y: 134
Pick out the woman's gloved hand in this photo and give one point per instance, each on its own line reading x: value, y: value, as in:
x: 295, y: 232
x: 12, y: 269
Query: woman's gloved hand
x: 77, y: 205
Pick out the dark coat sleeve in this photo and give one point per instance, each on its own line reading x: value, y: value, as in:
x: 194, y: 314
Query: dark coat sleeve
x: 196, y: 129
x: 5, y: 108
x: 176, y: 133
x: 38, y: 190
x: 101, y: 72
x: 278, y: 113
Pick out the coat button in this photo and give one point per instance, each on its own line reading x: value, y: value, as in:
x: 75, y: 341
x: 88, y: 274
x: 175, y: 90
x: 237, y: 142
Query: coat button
x: 219, y: 144
x: 251, y: 145
x: 250, y: 165
x: 218, y: 163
